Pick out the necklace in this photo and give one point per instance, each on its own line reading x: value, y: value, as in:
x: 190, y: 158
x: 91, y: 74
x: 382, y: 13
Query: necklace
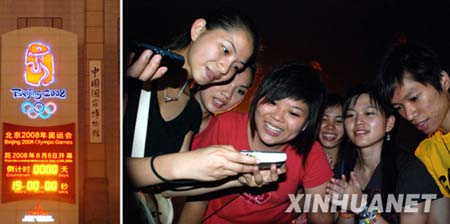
x: 363, y: 178
x: 168, y: 99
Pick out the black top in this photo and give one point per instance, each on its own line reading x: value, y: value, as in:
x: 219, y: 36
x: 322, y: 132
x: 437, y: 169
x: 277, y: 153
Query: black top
x: 373, y: 188
x: 413, y: 178
x: 163, y: 137
x: 344, y: 166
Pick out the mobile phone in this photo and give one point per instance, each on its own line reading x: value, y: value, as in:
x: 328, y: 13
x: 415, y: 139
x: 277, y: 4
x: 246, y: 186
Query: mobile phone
x: 267, y: 158
x: 169, y: 59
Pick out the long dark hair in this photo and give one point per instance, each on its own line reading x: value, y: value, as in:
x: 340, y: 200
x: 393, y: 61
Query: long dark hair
x: 346, y: 153
x: 389, y: 149
x: 226, y: 18
x: 298, y: 82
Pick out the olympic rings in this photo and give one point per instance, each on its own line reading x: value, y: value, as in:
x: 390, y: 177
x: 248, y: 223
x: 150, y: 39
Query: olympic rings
x: 38, y: 109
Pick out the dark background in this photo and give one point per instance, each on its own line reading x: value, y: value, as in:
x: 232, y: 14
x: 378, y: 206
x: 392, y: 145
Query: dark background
x: 347, y: 37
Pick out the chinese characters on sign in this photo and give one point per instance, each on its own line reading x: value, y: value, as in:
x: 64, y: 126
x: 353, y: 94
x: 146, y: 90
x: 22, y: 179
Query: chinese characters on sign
x: 40, y: 111
x: 95, y: 102
x: 38, y: 162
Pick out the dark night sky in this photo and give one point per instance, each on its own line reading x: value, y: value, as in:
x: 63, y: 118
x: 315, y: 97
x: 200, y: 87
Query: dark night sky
x: 347, y: 37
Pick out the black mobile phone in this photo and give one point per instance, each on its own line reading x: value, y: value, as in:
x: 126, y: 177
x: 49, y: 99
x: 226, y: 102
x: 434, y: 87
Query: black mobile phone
x: 169, y: 59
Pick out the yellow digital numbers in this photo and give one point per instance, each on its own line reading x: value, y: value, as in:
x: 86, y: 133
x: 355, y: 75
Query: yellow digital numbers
x: 45, y: 169
x: 34, y: 186
x: 17, y: 186
x: 51, y: 186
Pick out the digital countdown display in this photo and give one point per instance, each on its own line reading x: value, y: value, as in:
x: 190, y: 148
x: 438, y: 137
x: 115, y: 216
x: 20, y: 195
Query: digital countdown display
x: 38, y: 162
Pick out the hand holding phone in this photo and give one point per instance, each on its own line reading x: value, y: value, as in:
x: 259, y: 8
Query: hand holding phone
x: 267, y: 158
x: 169, y: 59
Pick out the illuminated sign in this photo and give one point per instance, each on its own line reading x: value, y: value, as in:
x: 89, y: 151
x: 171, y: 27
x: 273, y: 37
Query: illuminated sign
x: 39, y: 65
x: 37, y: 215
x: 39, y: 71
x: 39, y: 104
x: 38, y: 162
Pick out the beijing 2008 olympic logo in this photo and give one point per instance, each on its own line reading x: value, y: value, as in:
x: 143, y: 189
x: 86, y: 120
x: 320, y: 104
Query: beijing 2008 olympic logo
x: 39, y: 65
x: 39, y: 71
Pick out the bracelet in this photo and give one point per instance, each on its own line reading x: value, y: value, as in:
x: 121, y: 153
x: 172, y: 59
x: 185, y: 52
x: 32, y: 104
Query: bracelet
x: 346, y: 215
x: 173, y: 183
x: 152, y: 166
x: 368, y: 217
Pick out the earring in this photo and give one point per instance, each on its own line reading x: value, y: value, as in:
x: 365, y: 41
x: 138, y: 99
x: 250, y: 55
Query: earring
x: 388, y: 136
x: 305, y: 126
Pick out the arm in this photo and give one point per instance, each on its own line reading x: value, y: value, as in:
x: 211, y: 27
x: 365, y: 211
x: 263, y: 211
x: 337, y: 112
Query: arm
x: 201, y: 190
x: 345, y: 217
x: 187, y: 141
x: 258, y: 178
x: 301, y: 202
x: 440, y: 211
x: 192, y: 212
x: 206, y: 164
x: 415, y: 217
x: 319, y: 216
x: 139, y: 168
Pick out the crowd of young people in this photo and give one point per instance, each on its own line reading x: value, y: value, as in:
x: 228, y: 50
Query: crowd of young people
x: 339, y: 149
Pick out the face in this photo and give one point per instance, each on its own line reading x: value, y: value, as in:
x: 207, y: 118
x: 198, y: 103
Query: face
x: 331, y: 127
x: 216, y: 55
x: 221, y: 98
x: 281, y: 121
x: 422, y: 105
x: 364, y: 124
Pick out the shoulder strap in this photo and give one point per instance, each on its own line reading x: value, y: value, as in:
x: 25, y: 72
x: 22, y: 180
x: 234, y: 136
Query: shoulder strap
x: 140, y: 129
x: 158, y: 209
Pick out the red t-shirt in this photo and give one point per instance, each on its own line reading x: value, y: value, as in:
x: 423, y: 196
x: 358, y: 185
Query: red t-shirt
x: 268, y: 207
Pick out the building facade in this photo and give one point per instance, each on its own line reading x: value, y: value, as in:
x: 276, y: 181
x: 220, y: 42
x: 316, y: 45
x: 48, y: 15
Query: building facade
x: 93, y: 58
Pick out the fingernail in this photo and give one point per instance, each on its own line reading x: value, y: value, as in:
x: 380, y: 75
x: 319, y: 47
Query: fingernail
x: 147, y: 55
x: 164, y: 69
x: 158, y: 59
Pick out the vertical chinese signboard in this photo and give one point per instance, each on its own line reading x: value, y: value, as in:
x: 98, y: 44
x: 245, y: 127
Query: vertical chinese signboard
x: 39, y: 117
x: 95, y: 101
